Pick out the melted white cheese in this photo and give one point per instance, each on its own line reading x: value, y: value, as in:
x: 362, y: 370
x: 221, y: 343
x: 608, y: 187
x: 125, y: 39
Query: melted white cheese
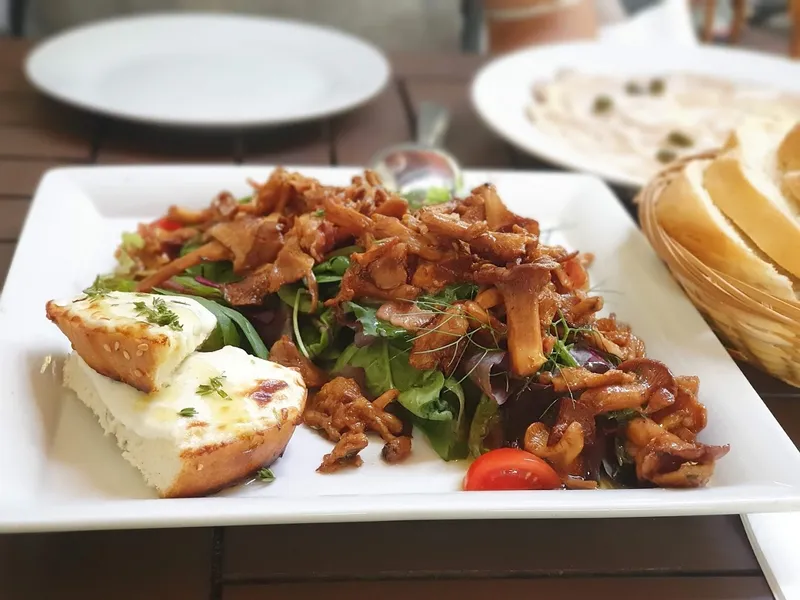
x: 217, y: 419
x: 118, y: 311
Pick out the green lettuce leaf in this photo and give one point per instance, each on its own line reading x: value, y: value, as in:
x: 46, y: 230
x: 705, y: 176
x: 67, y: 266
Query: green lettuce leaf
x: 436, y: 403
x: 372, y: 325
x: 433, y: 195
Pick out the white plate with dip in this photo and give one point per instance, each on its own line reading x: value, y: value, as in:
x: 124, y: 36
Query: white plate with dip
x: 208, y: 70
x: 575, y: 137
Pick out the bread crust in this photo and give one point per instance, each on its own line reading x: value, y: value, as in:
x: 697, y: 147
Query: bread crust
x: 771, y: 229
x: 214, y: 467
x: 695, y: 223
x: 129, y: 353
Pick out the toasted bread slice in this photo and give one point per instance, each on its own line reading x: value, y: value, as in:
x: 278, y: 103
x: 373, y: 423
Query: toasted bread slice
x: 119, y: 335
x: 224, y: 415
x: 745, y: 183
x: 688, y: 215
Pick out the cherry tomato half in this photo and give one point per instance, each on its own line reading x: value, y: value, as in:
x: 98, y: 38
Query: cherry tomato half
x: 510, y: 469
x: 167, y: 224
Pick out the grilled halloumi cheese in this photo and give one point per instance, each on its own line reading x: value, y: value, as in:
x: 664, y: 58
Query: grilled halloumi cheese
x: 139, y: 339
x: 223, y: 415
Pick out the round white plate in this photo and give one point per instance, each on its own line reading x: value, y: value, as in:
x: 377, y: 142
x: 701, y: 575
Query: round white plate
x: 501, y: 91
x: 208, y: 70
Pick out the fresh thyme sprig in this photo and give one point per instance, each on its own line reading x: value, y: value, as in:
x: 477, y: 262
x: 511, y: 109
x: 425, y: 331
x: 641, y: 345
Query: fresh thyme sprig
x: 214, y: 386
x: 187, y: 412
x: 266, y: 475
x: 158, y: 314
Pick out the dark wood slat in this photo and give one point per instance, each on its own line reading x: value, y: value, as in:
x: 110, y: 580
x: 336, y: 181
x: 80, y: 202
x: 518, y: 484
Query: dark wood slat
x: 383, y: 122
x: 6, y: 254
x: 767, y: 385
x: 124, y: 565
x: 36, y: 110
x: 490, y: 548
x: 126, y: 143
x: 12, y: 54
x: 12, y: 215
x: 787, y: 411
x: 468, y: 138
x: 20, y: 177
x: 436, y: 66
x: 691, y: 588
x: 307, y: 144
x: 68, y: 143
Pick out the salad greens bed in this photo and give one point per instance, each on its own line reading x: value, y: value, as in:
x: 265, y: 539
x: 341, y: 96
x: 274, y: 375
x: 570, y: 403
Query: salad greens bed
x: 479, y: 407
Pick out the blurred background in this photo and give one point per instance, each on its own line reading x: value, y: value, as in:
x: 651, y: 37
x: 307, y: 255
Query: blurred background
x: 433, y: 25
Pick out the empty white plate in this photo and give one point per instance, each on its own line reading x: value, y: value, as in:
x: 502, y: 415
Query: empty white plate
x: 208, y: 70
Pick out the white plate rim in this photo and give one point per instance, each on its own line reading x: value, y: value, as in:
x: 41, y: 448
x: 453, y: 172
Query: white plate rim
x: 46, y: 45
x: 521, y: 140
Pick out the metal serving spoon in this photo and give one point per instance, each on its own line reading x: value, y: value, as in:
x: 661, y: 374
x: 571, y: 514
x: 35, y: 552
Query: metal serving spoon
x: 414, y: 169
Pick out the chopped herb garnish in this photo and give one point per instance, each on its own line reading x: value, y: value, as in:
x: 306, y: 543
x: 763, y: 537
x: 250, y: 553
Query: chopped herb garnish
x: 214, y: 386
x: 158, y: 314
x: 266, y: 475
x: 187, y: 412
x: 602, y: 105
x: 680, y: 139
x: 657, y: 87
x: 319, y: 213
x: 665, y: 155
x: 634, y: 89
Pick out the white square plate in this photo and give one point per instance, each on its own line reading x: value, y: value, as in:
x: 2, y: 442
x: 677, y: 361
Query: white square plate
x: 60, y: 472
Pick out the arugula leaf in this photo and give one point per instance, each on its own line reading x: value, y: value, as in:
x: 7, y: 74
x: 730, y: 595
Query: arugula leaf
x: 435, y: 402
x: 623, y: 415
x: 198, y: 289
x: 450, y: 294
x: 319, y: 332
x: 288, y: 294
x: 250, y: 333
x: 371, y: 325
x: 448, y: 437
x: 230, y: 323
x: 131, y: 240
x: 487, y: 416
x: 219, y: 271
x: 332, y: 270
x: 110, y: 283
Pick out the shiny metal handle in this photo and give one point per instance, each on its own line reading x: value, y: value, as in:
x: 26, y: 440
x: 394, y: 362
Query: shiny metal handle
x: 432, y: 122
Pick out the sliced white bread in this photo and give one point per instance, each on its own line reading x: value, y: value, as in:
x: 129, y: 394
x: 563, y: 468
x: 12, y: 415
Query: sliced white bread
x: 686, y: 212
x: 745, y: 183
x: 789, y: 150
x: 139, y: 339
x: 190, y: 440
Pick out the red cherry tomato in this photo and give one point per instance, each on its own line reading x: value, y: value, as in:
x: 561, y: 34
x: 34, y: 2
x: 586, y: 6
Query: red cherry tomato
x: 510, y: 469
x: 167, y: 224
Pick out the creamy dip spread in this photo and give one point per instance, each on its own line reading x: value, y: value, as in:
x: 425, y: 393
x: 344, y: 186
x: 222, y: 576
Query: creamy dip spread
x: 638, y: 124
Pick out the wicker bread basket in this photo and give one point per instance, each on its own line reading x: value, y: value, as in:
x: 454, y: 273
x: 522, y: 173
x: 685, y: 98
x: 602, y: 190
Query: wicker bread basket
x: 755, y: 326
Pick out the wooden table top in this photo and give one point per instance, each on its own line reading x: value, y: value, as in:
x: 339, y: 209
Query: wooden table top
x: 687, y: 558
